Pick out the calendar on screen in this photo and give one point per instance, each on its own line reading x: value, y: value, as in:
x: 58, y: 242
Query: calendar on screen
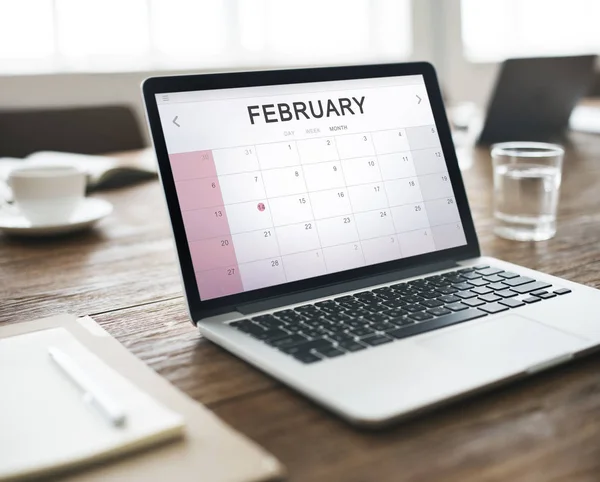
x: 283, y: 183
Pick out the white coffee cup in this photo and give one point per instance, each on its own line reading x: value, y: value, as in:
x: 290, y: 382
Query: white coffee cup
x: 47, y: 195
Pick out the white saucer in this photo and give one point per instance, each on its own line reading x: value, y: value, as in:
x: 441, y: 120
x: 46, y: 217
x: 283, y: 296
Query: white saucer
x: 87, y: 214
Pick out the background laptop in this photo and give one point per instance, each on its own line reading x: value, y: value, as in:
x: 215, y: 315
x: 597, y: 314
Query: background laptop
x: 324, y: 235
x: 533, y: 98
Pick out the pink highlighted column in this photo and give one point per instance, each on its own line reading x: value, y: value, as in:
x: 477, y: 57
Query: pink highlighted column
x: 206, y: 225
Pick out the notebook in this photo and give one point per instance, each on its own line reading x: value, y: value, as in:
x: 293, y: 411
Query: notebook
x: 102, y: 171
x: 46, y: 424
x: 209, y: 450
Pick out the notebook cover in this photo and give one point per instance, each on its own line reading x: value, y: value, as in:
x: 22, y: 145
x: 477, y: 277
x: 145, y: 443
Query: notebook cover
x: 211, y: 450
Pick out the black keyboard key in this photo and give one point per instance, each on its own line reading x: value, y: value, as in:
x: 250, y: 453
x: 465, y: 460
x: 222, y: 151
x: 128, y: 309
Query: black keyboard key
x: 482, y: 290
x: 493, y: 308
x: 265, y: 318
x: 343, y: 298
x: 428, y: 295
x: 562, y: 291
x: 539, y: 292
x: 453, y: 278
x: 384, y: 289
x: 465, y: 270
x: 376, y: 340
x: 494, y: 278
x: 411, y: 299
x: 506, y: 293
x: 480, y: 267
x: 377, y: 317
x: 291, y: 318
x: 348, y: 305
x: 432, y: 303
x: 414, y: 308
x: 547, y: 296
x: 436, y: 323
x: 449, y: 299
x: 405, y: 320
x: 382, y: 326
x: 397, y: 303
x: 332, y: 309
x: 439, y: 282
x: 473, y: 302
x: 326, y: 303
x: 465, y: 295
x: 306, y: 309
x: 489, y: 271
x: 439, y: 311
x: 498, y: 286
x: 388, y: 296
x: 395, y: 313
x: 335, y: 318
x: 457, y: 306
x: 421, y: 316
x: 511, y: 303
x: 250, y: 328
x: 352, y: 346
x: 330, y: 352
x: 521, y: 280
x: 271, y: 334
x: 531, y: 299
x: 528, y: 287
x: 306, y: 346
x: 490, y: 298
x: 479, y: 282
x: 449, y: 290
x: 471, y: 275
x: 362, y: 331
x: 463, y: 286
x: 240, y: 323
x: 288, y: 341
x: 508, y: 275
x: 356, y: 312
x: 341, y: 337
x: 313, y: 333
x: 306, y: 357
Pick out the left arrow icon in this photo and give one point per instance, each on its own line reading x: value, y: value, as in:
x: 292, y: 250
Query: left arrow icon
x: 175, y: 121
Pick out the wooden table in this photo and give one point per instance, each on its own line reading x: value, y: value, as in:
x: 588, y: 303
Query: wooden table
x: 125, y: 274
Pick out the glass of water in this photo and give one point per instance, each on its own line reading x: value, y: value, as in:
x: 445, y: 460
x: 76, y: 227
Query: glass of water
x: 527, y: 178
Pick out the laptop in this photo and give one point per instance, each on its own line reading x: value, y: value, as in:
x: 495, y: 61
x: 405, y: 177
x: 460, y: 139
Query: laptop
x: 324, y: 236
x: 533, y: 98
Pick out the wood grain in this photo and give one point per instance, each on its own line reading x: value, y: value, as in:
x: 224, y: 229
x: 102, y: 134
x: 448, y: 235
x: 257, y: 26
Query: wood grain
x: 125, y: 274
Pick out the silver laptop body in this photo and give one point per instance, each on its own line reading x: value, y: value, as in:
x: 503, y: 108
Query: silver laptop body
x: 324, y: 236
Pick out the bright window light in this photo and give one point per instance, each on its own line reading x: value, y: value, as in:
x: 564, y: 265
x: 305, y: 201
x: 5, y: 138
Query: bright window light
x: 26, y: 29
x: 493, y: 30
x: 102, y: 27
x: 104, y: 35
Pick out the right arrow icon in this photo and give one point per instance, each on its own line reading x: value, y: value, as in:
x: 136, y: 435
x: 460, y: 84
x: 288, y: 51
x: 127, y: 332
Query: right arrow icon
x: 419, y: 99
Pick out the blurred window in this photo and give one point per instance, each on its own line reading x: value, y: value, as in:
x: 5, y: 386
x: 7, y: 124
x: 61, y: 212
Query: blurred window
x: 120, y: 35
x: 493, y: 30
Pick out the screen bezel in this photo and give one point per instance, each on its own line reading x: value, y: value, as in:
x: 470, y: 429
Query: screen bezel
x: 171, y: 84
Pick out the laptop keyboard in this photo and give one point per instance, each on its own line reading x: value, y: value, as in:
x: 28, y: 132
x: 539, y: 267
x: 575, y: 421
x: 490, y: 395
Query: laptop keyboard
x: 328, y: 329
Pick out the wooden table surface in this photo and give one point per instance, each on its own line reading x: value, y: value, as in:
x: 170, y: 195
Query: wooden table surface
x: 125, y: 274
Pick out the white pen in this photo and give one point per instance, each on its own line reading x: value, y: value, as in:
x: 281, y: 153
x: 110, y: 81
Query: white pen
x: 92, y: 393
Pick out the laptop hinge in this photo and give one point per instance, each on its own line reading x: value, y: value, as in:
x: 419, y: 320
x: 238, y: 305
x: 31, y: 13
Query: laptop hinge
x: 321, y: 292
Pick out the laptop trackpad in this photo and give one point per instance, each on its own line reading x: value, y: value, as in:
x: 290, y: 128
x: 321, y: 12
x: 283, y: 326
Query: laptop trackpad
x: 501, y: 346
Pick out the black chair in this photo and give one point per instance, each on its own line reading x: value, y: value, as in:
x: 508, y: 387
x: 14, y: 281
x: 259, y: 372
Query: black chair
x: 84, y: 130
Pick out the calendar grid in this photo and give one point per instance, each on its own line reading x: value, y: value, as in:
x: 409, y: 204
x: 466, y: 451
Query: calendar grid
x: 349, y: 199
x: 274, y: 230
x: 266, y: 166
x: 408, y: 151
x: 311, y: 207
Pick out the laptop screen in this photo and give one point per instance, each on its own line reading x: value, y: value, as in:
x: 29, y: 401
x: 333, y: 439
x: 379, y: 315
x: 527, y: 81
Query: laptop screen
x: 283, y: 183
